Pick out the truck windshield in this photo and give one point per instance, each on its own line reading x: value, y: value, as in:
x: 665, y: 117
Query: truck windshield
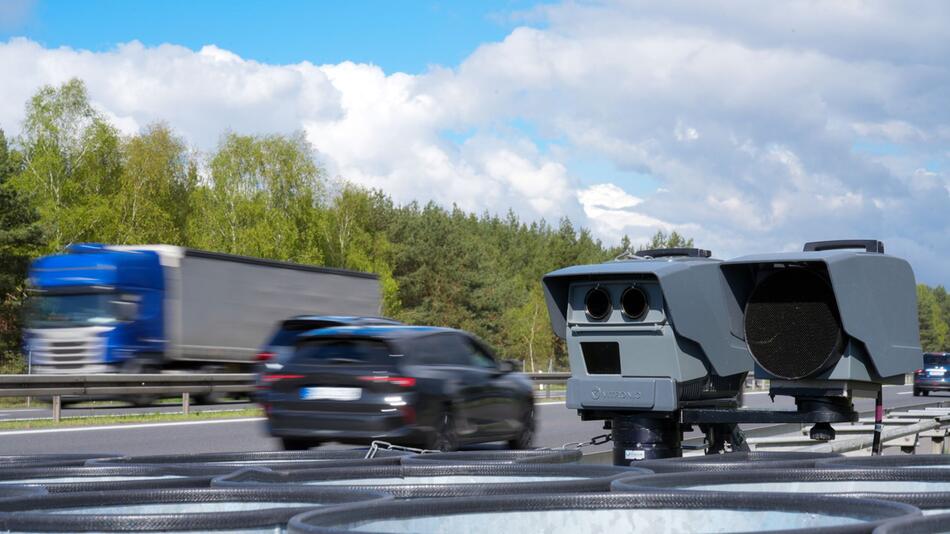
x: 77, y: 309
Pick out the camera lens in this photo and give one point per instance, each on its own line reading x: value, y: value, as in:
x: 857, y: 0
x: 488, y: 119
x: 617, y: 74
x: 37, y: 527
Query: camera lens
x: 598, y: 303
x: 634, y: 303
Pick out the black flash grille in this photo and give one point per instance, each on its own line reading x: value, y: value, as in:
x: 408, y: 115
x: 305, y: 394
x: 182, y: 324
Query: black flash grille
x: 792, y: 324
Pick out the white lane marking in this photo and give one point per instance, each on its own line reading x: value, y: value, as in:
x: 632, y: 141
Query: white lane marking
x: 755, y: 392
x: 904, y: 392
x: 125, y: 427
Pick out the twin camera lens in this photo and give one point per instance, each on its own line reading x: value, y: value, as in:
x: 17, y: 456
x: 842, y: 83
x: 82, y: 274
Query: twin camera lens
x: 633, y: 303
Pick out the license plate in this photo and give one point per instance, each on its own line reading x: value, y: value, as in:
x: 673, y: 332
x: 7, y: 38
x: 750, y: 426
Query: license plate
x: 937, y: 372
x: 337, y: 394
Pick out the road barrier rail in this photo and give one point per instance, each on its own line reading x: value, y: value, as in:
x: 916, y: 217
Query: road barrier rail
x: 903, y: 428
x: 57, y: 386
x: 123, y: 384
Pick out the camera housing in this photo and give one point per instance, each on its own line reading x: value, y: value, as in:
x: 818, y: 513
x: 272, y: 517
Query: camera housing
x: 840, y: 317
x: 662, y: 340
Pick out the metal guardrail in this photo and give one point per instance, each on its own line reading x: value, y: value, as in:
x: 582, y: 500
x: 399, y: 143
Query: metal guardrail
x: 122, y: 384
x: 903, y: 428
x: 57, y: 386
x: 548, y: 378
x: 105, y: 385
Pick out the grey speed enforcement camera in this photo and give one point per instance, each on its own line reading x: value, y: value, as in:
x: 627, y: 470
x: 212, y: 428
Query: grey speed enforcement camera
x: 646, y: 333
x: 666, y: 338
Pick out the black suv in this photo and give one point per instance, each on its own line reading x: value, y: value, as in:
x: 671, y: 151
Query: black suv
x: 934, y: 375
x: 434, y: 388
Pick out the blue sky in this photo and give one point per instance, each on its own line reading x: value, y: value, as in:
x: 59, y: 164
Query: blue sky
x: 747, y: 128
x: 403, y: 36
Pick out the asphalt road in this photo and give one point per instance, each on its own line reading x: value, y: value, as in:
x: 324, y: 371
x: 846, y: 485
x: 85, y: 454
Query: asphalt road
x: 557, y: 425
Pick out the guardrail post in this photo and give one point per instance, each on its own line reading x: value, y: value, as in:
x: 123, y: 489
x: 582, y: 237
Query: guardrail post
x: 57, y: 408
x: 936, y: 444
x: 186, y: 402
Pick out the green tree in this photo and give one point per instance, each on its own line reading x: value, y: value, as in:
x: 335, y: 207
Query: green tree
x: 943, y: 300
x: 661, y: 240
x: 20, y: 239
x: 264, y: 199
x: 529, y: 332
x: 354, y: 238
x: 71, y: 165
x: 155, y: 187
x: 934, y: 330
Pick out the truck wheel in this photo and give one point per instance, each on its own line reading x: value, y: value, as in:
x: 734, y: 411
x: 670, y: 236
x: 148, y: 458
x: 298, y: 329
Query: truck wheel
x: 525, y: 437
x: 211, y: 398
x: 916, y: 392
x: 298, y: 444
x: 141, y: 366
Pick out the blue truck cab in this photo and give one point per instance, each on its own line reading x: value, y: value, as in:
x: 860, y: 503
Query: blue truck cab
x: 147, y: 308
x: 95, y: 310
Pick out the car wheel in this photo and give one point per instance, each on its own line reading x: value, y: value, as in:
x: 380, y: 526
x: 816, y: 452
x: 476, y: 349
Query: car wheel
x: 445, y: 437
x: 525, y: 437
x: 916, y: 392
x: 926, y: 393
x: 298, y: 444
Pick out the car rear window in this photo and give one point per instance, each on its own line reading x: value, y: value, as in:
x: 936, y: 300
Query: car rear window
x: 931, y: 360
x: 342, y: 351
x: 286, y: 334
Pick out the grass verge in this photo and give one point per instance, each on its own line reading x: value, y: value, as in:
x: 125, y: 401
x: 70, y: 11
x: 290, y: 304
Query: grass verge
x: 103, y: 420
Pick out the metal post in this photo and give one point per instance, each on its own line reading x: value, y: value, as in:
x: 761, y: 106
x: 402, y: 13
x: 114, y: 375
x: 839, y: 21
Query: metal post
x: 186, y: 402
x: 936, y: 444
x: 29, y: 371
x: 57, y: 408
x: 642, y: 437
x: 878, y: 422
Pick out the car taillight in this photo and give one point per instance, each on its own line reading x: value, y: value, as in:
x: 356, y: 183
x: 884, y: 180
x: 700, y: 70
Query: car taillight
x: 264, y: 356
x: 404, y: 381
x: 918, y: 371
x: 274, y: 378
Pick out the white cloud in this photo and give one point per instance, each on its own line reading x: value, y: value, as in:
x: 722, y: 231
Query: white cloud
x: 610, y: 211
x: 746, y: 116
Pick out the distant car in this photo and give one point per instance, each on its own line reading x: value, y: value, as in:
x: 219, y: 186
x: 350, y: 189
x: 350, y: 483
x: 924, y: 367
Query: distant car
x: 434, y: 388
x: 933, y: 377
x: 280, y: 345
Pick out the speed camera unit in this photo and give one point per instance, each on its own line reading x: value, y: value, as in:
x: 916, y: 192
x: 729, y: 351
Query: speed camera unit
x: 666, y: 338
x: 646, y: 333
